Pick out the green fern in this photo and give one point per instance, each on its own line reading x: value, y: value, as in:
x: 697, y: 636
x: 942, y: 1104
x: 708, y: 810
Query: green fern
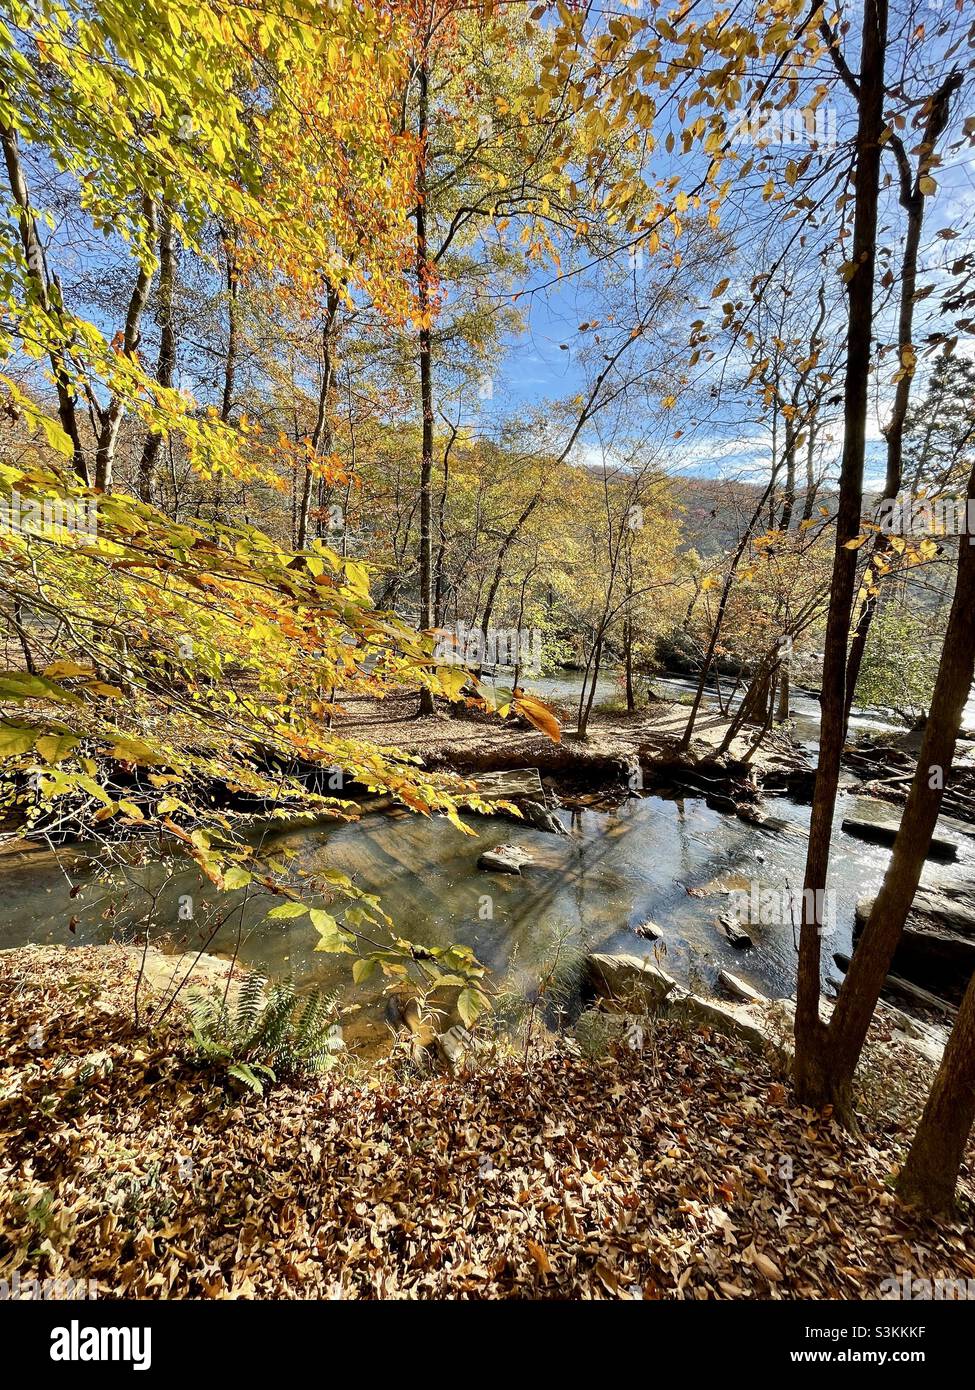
x: 268, y: 1034
x: 249, y: 1003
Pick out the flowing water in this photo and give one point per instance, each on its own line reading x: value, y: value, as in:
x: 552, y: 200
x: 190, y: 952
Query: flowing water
x: 671, y: 859
x: 563, y: 689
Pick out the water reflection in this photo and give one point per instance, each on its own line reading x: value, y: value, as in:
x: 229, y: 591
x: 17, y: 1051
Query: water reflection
x: 672, y: 860
x: 669, y: 859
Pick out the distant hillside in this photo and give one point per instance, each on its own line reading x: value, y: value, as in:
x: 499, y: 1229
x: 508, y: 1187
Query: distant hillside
x: 717, y: 510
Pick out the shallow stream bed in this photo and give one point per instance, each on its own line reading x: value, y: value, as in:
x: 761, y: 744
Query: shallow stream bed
x: 672, y: 860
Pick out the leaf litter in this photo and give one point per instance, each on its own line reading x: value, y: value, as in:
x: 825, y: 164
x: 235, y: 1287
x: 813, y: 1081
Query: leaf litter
x: 678, y: 1171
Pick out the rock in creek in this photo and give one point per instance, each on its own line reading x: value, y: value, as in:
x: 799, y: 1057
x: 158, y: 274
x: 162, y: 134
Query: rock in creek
x: 621, y: 977
x: 878, y: 832
x: 937, y: 949
x: 896, y: 984
x: 627, y: 983
x: 734, y: 931
x: 454, y: 1046
x: 541, y: 817
x: 504, y: 859
x: 741, y: 989
x: 648, y: 930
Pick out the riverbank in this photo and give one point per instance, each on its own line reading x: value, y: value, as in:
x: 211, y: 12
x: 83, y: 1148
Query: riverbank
x: 622, y: 749
x: 672, y: 1167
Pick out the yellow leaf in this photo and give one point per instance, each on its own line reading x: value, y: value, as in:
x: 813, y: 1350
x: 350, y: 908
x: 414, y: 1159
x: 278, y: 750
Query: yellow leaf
x: 15, y: 739
x: 54, y: 747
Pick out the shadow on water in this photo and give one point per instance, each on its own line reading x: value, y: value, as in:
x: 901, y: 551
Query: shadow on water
x: 665, y: 858
x: 669, y: 859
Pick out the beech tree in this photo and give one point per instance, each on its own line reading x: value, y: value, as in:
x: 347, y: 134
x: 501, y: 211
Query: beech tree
x: 930, y: 1172
x: 843, y: 1037
x: 914, y: 184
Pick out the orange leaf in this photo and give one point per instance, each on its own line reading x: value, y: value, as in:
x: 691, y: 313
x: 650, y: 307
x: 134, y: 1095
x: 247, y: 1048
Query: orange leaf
x: 539, y: 714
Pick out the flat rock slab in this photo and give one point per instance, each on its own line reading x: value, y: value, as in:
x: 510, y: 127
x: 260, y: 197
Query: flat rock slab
x: 504, y: 859
x: 627, y: 981
x: 885, y: 833
x: 907, y: 988
x: 758, y: 1024
x: 740, y: 988
x: 621, y: 977
x: 951, y: 905
x: 947, y: 905
x: 937, y: 948
x: 509, y: 785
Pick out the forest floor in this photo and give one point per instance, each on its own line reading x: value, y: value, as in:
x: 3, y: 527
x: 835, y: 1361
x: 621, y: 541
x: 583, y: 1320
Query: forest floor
x: 678, y: 1168
x: 462, y: 741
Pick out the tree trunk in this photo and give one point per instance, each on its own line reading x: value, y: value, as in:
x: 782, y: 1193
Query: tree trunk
x: 423, y: 274
x: 789, y: 503
x: 811, y: 1086
x: 912, y: 201
x: 585, y: 712
x: 929, y: 1175
x: 110, y: 419
x: 875, y: 950
x: 440, y: 587
x: 166, y: 362
x: 503, y: 549
x: 811, y: 485
x: 757, y: 702
x: 719, y: 616
x: 49, y: 301
x: 782, y: 712
x: 233, y: 328
x: 321, y: 435
x: 233, y: 335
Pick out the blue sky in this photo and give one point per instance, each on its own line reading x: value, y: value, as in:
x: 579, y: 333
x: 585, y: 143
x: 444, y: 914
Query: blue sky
x: 538, y: 367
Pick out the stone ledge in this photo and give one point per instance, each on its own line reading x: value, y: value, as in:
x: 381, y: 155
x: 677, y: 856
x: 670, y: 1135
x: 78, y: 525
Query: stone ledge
x: 626, y: 981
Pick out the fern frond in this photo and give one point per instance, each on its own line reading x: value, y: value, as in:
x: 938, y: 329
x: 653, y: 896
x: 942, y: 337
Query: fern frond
x: 270, y: 1033
x: 250, y: 1001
